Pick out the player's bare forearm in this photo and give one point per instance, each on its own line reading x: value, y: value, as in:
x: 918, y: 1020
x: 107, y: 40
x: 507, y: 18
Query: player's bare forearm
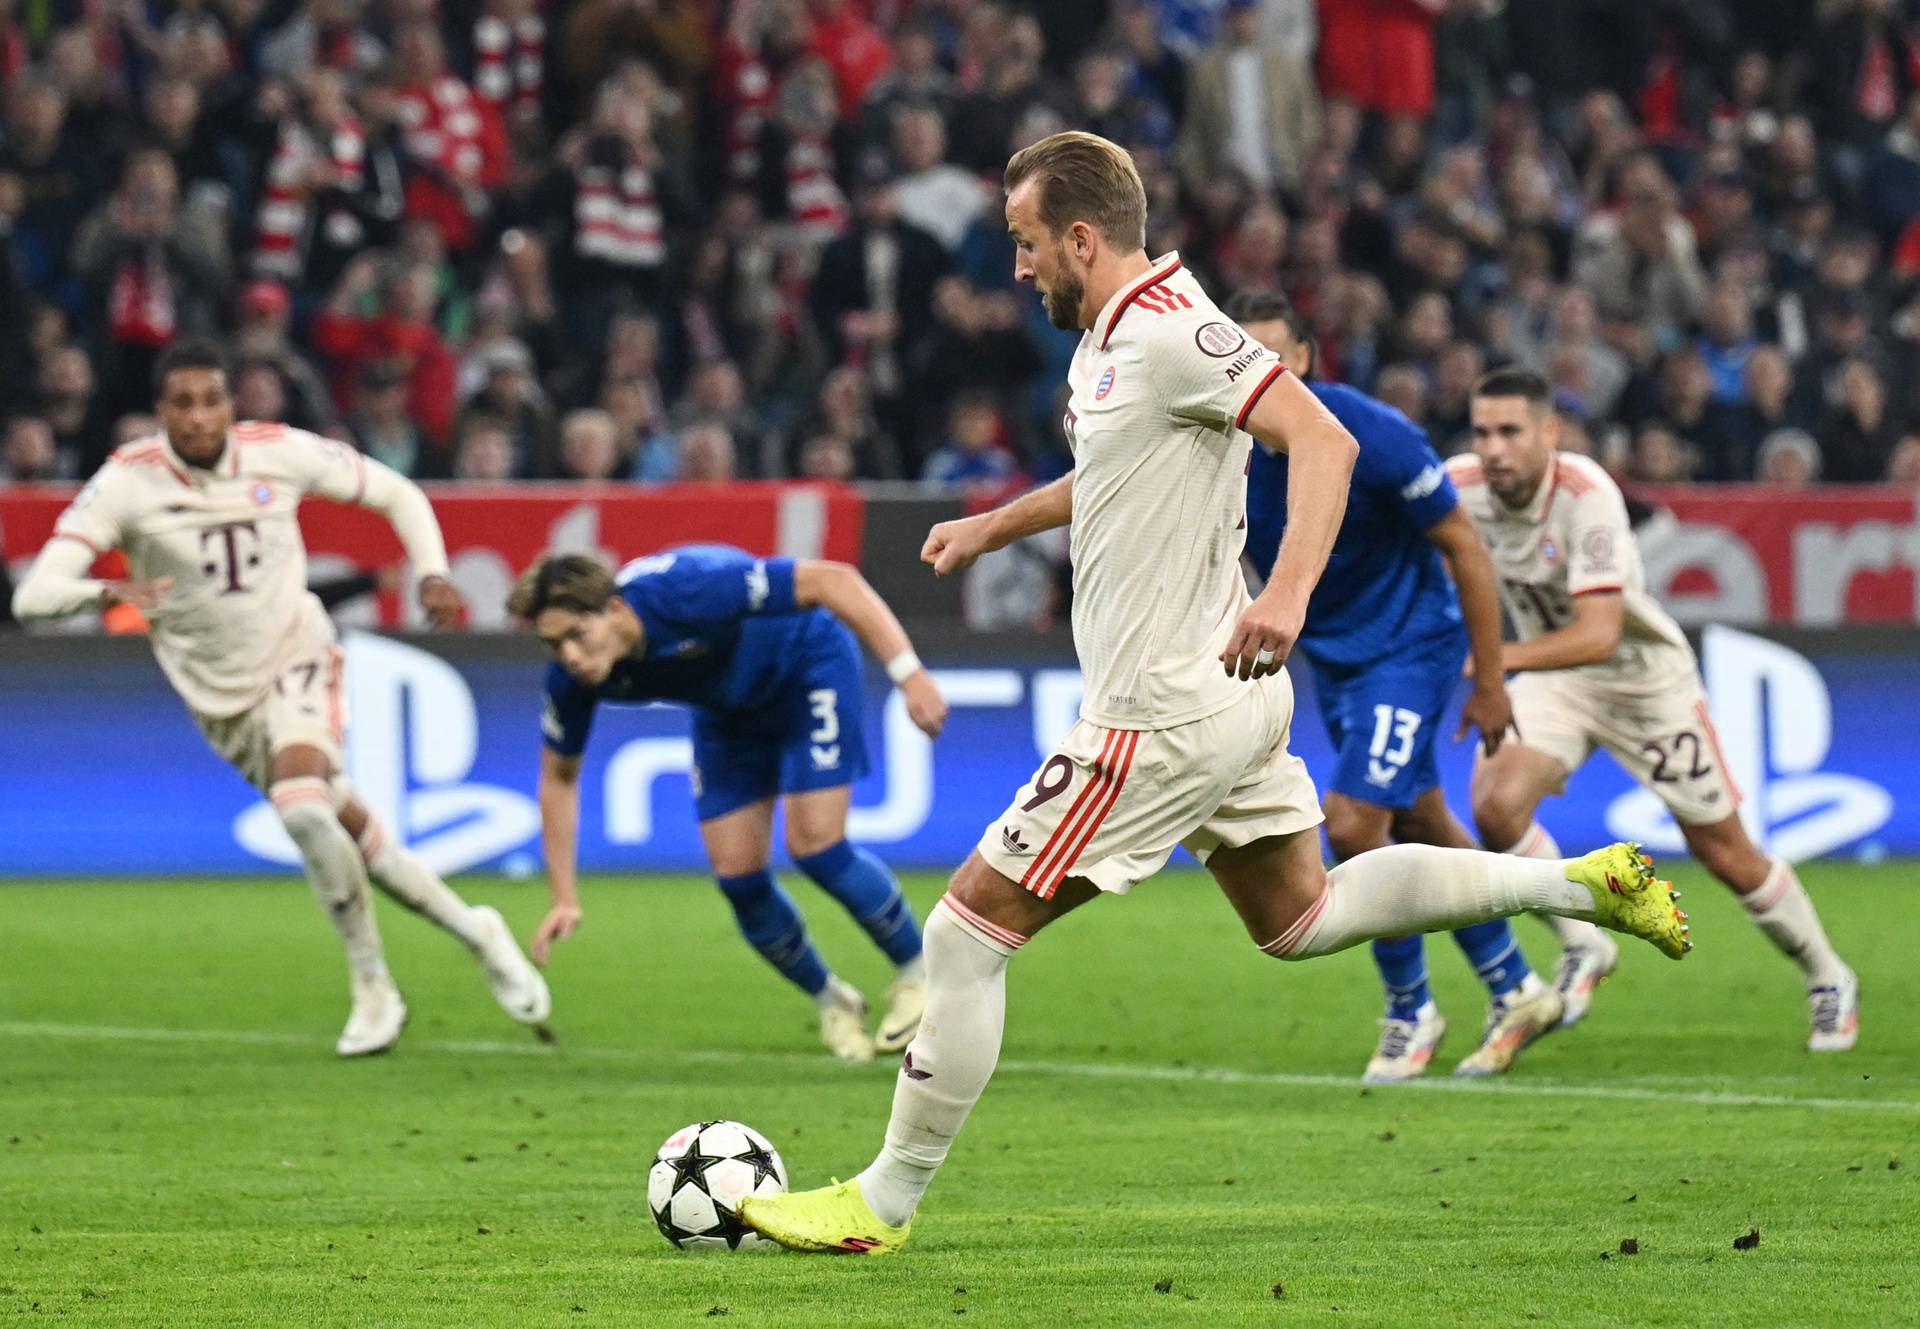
x: 842, y: 591
x: 1044, y: 509
x: 1593, y: 636
x: 1471, y: 567
x: 952, y: 546
x: 559, y: 797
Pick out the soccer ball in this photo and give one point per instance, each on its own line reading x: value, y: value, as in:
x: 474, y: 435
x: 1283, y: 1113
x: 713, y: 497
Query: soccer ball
x: 700, y: 1176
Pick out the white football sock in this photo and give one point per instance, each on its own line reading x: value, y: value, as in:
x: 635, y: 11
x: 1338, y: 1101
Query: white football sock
x: 1538, y: 842
x: 1783, y: 910
x: 400, y: 872
x: 335, y: 872
x: 839, y: 992
x: 949, y: 1061
x: 1407, y: 888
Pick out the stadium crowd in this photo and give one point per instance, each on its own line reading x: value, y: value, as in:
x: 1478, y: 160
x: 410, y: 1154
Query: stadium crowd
x: 702, y: 239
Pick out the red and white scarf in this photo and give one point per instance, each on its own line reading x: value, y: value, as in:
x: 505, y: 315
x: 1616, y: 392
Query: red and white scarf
x: 281, y: 221
x: 616, y: 217
x: 509, y: 60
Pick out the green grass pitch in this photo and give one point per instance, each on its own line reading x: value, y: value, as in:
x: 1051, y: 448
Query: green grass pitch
x: 1174, y: 1136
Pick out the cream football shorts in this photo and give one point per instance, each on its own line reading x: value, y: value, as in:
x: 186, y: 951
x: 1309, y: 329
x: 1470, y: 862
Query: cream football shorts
x: 306, y: 707
x: 1663, y: 737
x: 1111, y: 804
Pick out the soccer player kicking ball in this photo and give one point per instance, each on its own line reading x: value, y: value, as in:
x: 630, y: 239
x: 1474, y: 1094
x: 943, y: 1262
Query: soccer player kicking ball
x: 1600, y: 664
x: 1183, y: 731
x: 205, y: 513
x: 1385, y: 636
x: 760, y: 649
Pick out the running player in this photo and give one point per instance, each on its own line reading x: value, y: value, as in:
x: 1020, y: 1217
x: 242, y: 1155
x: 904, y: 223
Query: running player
x: 1183, y: 730
x: 205, y: 512
x: 1600, y: 664
x: 760, y: 649
x: 1387, y: 634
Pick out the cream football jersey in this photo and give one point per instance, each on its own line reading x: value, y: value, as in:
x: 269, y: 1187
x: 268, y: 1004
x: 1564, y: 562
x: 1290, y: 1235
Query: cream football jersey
x: 1574, y: 539
x: 1160, y: 385
x: 238, y: 610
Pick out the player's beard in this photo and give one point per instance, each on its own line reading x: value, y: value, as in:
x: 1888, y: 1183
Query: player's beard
x: 1064, y: 297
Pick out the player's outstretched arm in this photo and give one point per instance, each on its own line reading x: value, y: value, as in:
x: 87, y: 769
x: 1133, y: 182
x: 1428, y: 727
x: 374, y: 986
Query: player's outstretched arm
x: 952, y: 546
x: 843, y: 592
x: 1599, y: 617
x: 405, y: 506
x: 1488, y: 709
x: 1320, y: 456
x: 57, y: 585
x: 559, y: 841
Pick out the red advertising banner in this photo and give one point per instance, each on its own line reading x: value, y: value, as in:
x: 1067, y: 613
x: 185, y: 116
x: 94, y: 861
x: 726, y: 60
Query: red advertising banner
x: 1749, y: 554
x: 495, y: 533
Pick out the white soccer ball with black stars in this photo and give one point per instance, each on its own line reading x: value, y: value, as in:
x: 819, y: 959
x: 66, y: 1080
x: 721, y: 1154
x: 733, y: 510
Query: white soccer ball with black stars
x: 700, y: 1176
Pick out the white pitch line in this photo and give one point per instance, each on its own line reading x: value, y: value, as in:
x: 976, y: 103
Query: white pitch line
x: 1083, y: 1070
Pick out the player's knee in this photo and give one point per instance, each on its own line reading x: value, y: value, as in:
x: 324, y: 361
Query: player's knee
x: 1496, y: 817
x: 808, y: 841
x: 1354, y: 828
x: 305, y: 805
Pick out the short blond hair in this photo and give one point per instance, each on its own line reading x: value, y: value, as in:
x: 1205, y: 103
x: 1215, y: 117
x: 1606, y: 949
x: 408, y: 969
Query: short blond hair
x: 1083, y: 177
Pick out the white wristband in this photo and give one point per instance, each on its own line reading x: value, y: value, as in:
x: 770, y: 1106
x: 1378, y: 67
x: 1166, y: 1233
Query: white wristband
x: 903, y: 666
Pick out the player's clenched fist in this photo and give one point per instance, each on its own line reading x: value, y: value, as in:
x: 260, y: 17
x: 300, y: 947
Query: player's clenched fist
x: 925, y: 706
x: 442, y: 602
x: 1262, y: 638
x: 954, y: 545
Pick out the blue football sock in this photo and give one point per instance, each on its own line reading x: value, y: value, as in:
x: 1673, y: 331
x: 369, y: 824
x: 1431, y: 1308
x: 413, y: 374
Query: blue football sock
x: 1495, y: 955
x: 1403, y: 970
x: 862, y: 883
x: 769, y: 921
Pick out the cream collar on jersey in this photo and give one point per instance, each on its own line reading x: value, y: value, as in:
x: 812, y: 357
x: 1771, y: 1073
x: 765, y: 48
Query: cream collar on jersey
x: 225, y: 467
x: 1162, y: 268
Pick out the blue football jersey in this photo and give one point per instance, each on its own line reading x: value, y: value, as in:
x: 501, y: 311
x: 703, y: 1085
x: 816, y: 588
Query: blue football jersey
x: 723, y: 634
x: 1385, y: 587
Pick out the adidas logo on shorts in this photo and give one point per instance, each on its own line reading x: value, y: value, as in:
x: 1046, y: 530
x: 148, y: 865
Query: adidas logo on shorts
x: 1010, y: 840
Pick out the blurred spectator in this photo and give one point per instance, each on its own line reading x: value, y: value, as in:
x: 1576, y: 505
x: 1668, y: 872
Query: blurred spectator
x: 1251, y: 109
x: 1789, y: 458
x: 915, y: 79
x: 153, y: 271
x: 1378, y: 54
x: 845, y: 410
x: 28, y: 455
x: 1157, y: 71
x: 1404, y: 388
x: 589, y: 446
x: 706, y: 453
x: 716, y: 392
x: 1726, y: 342
x: 511, y: 397
x: 70, y: 403
x: 484, y: 453
x: 351, y: 333
x: 1640, y: 263
x: 455, y: 144
x: 384, y: 428
x: 1859, y: 431
x: 975, y: 454
x: 61, y: 177
x: 1660, y: 456
x: 873, y: 285
x: 978, y: 343
x: 1903, y: 468
x: 939, y: 198
x: 1731, y: 443
x: 824, y: 455
x: 264, y: 333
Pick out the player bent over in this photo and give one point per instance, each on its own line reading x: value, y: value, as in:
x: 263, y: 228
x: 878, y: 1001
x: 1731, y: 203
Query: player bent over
x: 1600, y: 664
x: 759, y: 648
x: 1387, y: 632
x: 205, y: 513
x: 1183, y: 731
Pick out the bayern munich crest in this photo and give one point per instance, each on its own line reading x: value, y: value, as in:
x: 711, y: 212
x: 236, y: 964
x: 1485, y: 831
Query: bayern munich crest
x: 1105, y: 385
